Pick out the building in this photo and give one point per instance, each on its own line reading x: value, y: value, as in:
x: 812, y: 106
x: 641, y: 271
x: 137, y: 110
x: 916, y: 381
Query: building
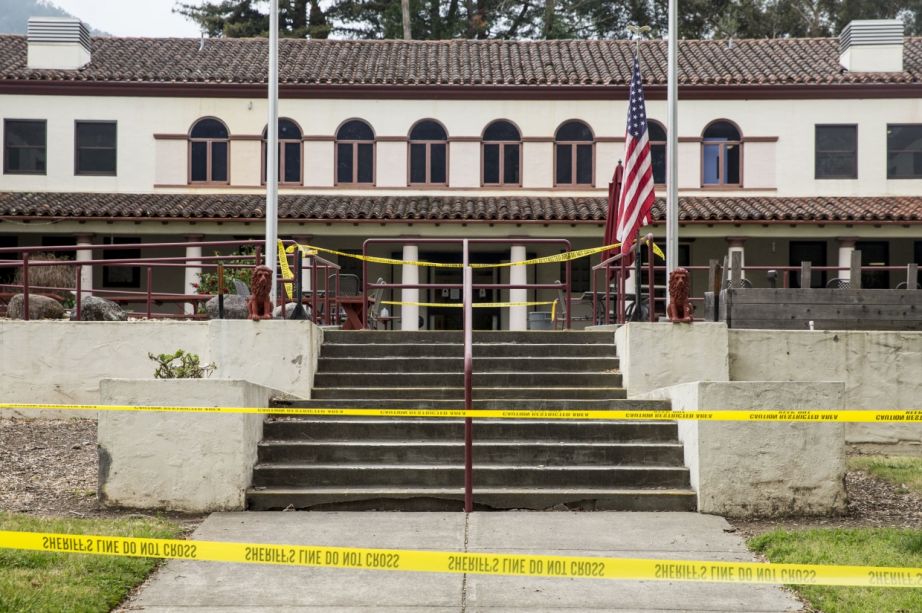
x: 789, y: 150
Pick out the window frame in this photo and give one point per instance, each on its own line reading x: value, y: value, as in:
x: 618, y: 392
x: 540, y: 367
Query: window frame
x: 6, y: 147
x: 208, y: 153
x: 77, y: 148
x: 428, y: 143
x: 573, y: 144
x: 816, y: 151
x: 264, y: 149
x: 900, y: 125
x: 132, y: 246
x: 664, y: 143
x: 502, y: 157
x: 721, y: 156
x: 354, y: 147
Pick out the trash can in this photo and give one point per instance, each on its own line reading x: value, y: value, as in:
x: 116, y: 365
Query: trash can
x: 540, y: 320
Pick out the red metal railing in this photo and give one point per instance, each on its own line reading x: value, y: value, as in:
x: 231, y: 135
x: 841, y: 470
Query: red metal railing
x: 615, y: 267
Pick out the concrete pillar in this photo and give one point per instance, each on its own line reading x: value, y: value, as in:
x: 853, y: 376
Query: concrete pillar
x: 846, y: 247
x: 192, y: 272
x: 409, y: 315
x: 86, y: 272
x: 737, y: 244
x: 518, y: 315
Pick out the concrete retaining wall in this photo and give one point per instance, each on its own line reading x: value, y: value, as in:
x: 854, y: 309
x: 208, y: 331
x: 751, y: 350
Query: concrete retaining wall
x: 762, y: 469
x: 63, y: 362
x: 178, y: 461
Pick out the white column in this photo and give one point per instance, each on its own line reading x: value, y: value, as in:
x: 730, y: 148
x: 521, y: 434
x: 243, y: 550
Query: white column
x: 518, y: 315
x: 846, y: 247
x: 409, y: 315
x: 737, y: 244
x: 86, y: 272
x: 192, y: 272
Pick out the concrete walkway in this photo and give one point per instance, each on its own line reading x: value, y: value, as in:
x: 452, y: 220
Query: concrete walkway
x: 211, y: 587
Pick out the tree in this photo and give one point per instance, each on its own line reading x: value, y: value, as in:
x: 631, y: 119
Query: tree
x: 243, y: 18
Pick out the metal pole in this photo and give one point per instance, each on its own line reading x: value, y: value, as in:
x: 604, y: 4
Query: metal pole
x: 672, y: 145
x: 272, y: 146
x: 25, y: 286
x: 220, y: 291
x: 468, y: 298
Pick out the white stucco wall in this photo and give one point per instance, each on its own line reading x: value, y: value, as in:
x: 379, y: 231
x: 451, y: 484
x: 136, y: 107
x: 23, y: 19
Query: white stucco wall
x: 178, y: 461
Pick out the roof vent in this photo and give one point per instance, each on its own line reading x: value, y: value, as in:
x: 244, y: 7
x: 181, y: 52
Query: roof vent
x: 58, y: 43
x: 872, y: 45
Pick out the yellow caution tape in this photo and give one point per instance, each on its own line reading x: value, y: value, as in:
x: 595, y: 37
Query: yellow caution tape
x: 476, y: 305
x: 510, y: 564
x: 767, y: 415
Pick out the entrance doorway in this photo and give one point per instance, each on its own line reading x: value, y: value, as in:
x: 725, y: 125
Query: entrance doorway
x: 874, y: 253
x: 452, y: 318
x: 808, y: 251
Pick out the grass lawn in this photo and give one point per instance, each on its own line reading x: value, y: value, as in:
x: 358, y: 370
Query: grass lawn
x: 849, y: 546
x: 36, y: 581
x: 903, y: 471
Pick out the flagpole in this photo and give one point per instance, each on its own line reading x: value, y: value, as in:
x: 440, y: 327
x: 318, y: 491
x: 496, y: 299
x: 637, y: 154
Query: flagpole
x: 672, y: 145
x: 272, y: 147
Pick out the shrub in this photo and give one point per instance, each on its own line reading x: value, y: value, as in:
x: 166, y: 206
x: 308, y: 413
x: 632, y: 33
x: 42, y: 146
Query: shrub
x: 61, y: 277
x: 180, y: 365
x: 208, y: 280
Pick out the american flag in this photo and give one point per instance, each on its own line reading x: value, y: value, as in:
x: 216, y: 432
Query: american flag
x: 637, y: 188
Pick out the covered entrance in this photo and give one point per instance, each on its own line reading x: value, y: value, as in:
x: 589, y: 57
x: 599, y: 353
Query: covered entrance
x: 450, y: 318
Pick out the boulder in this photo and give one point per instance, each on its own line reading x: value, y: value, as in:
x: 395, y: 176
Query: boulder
x: 40, y: 307
x: 93, y: 308
x: 289, y: 309
x: 235, y: 307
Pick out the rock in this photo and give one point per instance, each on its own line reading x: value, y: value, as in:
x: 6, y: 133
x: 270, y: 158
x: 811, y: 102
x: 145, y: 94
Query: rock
x: 289, y: 309
x: 40, y: 307
x: 93, y: 308
x: 235, y: 307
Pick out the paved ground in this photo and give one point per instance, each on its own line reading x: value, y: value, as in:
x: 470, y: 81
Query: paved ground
x: 199, y: 587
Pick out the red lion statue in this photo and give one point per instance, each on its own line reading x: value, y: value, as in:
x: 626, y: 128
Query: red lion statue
x: 680, y: 309
x: 258, y: 304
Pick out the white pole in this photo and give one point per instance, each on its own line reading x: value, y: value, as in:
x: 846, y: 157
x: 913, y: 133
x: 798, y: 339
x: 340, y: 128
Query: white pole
x: 672, y: 145
x: 272, y: 145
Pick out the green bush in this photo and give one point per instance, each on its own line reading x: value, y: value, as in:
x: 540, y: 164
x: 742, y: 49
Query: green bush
x: 208, y: 280
x: 180, y: 365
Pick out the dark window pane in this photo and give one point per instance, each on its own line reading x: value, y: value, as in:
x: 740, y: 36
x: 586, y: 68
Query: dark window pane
x: 904, y: 165
x: 438, y: 170
x: 501, y: 130
x: 711, y: 158
x: 836, y: 166
x: 564, y: 164
x: 574, y: 130
x: 199, y: 161
x: 344, y: 163
x: 355, y: 130
x: 292, y: 162
x: 417, y: 163
x: 26, y: 160
x: 491, y: 163
x: 25, y: 133
x: 96, y: 161
x: 655, y: 132
x: 904, y: 151
x: 511, y: 164
x: 836, y: 152
x: 658, y: 161
x: 722, y: 130
x: 584, y: 164
x: 836, y: 138
x: 428, y: 130
x: 366, y: 163
x: 289, y: 130
x: 218, y: 161
x: 209, y: 128
x: 903, y: 138
x: 24, y: 146
x: 732, y: 164
x: 95, y: 134
x: 95, y: 147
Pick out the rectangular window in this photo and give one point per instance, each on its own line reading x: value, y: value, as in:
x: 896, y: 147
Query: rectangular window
x: 95, y: 148
x: 366, y: 160
x: 491, y: 164
x: 199, y: 161
x: 836, y: 152
x: 122, y: 275
x: 564, y: 164
x: 874, y: 253
x: 658, y: 161
x: 711, y: 163
x: 7, y: 274
x: 438, y: 164
x: 219, y: 161
x: 510, y: 164
x: 904, y: 151
x: 584, y: 164
x: 292, y: 157
x: 807, y: 251
x: 417, y: 163
x: 344, y: 162
x: 24, y: 144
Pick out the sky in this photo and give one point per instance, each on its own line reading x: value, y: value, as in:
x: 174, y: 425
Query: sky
x: 131, y: 17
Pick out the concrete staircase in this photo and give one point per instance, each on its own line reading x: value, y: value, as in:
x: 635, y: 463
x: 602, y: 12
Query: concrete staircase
x: 418, y: 464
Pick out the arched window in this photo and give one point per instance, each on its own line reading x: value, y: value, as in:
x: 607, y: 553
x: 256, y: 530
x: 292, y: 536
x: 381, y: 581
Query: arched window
x: 657, y: 135
x: 573, y: 154
x: 721, y: 154
x: 428, y: 154
x: 502, y: 154
x: 208, y: 151
x: 355, y: 153
x: 289, y: 152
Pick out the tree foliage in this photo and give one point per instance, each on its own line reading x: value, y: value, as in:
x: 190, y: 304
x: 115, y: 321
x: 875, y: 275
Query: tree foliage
x: 445, y: 19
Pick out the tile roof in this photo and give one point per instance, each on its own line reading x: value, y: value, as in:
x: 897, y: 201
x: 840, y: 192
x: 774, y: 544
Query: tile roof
x: 700, y: 209
x: 457, y: 62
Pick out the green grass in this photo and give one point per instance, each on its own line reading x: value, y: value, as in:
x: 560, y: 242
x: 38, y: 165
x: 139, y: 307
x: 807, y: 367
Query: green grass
x: 854, y: 547
x: 34, y: 581
x: 902, y: 471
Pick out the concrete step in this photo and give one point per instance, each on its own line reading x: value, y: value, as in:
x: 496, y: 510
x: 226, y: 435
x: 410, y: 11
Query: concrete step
x: 435, y: 380
x: 538, y: 453
x: 452, y: 475
x: 480, y: 336
x: 451, y: 498
x: 456, y: 364
x: 482, y: 350
x: 541, y: 404
x: 457, y: 393
x: 403, y: 429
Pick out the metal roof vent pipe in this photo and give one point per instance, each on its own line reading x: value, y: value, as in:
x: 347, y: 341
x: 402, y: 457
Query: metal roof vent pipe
x: 58, y: 43
x: 872, y: 45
